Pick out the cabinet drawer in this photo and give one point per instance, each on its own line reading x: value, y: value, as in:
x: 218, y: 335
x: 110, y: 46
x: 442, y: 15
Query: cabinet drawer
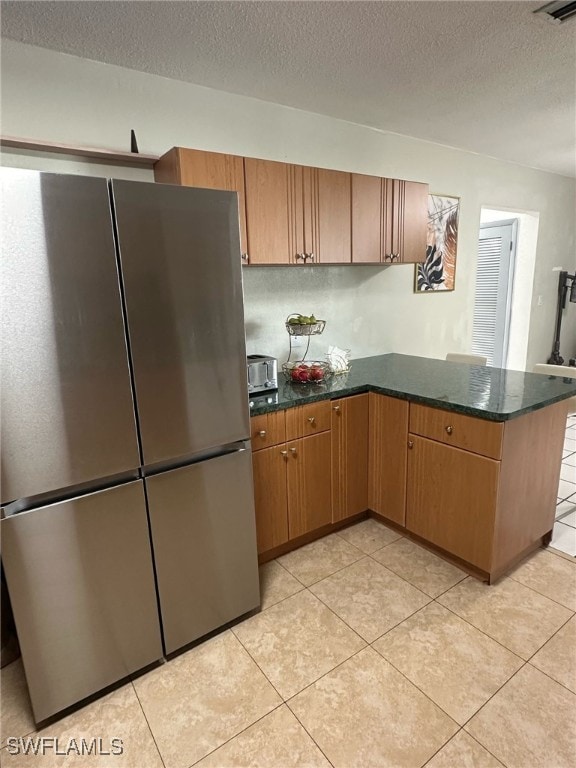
x: 306, y: 420
x: 467, y: 432
x: 267, y: 429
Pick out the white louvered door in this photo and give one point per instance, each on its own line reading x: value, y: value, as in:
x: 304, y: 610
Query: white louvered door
x: 492, y: 304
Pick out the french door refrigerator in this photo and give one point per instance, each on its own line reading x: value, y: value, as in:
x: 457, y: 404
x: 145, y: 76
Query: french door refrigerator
x: 127, y: 506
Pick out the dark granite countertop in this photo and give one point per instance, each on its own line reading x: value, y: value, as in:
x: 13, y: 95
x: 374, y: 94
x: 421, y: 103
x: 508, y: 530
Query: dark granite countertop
x: 496, y: 394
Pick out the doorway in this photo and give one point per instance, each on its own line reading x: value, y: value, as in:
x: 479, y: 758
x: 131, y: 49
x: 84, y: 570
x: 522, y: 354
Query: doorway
x: 493, y: 297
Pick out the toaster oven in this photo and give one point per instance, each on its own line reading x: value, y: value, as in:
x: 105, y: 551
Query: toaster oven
x: 262, y: 373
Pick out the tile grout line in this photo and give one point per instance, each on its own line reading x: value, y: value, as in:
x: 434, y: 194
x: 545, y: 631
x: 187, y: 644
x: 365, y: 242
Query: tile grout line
x: 148, y: 724
x: 523, y: 665
x: 366, y: 645
x: 465, y: 575
x: 308, y: 732
x: 307, y: 586
x: 461, y: 730
x: 501, y: 644
x: 435, y: 703
x: 536, y: 591
x: 276, y: 560
x: 256, y: 663
x: 278, y: 706
x: 368, y: 642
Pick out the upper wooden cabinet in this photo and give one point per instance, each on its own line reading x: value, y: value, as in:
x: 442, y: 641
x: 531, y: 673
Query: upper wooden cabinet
x: 269, y: 194
x: 389, y: 220
x: 333, y: 213
x: 296, y: 214
x: 406, y: 217
x: 293, y: 214
x: 211, y: 170
x: 367, y: 219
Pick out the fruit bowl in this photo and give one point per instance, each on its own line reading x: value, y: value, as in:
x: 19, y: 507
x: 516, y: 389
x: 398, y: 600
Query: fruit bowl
x: 307, y: 371
x: 304, y: 325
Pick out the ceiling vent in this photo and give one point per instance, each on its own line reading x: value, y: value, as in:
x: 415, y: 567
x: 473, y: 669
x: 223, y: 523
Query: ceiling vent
x: 558, y: 12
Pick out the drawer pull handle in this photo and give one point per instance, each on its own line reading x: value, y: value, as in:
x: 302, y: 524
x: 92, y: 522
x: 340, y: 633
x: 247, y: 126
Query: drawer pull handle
x: 336, y: 408
x: 311, y: 419
x: 449, y: 430
x: 262, y: 433
x: 293, y: 450
x: 284, y: 453
x: 410, y: 444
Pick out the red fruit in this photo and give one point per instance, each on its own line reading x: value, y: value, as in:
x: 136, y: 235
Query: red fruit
x: 316, y: 373
x: 295, y: 374
x: 304, y: 374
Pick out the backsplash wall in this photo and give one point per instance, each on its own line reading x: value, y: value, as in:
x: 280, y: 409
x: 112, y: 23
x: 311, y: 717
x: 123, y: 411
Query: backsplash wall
x: 362, y: 306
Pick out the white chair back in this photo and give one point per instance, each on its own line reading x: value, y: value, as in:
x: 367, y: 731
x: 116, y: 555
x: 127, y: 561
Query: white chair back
x: 455, y: 357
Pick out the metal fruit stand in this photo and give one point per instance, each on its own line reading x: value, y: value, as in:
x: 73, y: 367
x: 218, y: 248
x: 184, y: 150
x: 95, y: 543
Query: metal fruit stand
x: 311, y: 370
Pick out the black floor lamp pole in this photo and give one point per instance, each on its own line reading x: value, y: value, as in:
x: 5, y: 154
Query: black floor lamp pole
x: 563, y: 278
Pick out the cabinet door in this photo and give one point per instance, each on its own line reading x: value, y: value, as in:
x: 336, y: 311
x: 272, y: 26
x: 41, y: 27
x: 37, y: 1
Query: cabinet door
x: 214, y: 170
x: 349, y: 456
x: 209, y: 170
x: 270, y: 500
x: 388, y: 438
x: 405, y: 221
x: 389, y: 221
x: 366, y: 219
x: 270, y: 216
x: 412, y: 204
x: 451, y: 499
x: 309, y: 489
x: 334, y: 212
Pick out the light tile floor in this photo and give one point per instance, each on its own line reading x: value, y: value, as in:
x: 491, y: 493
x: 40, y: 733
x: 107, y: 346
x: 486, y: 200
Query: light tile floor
x: 369, y: 652
x: 564, y: 536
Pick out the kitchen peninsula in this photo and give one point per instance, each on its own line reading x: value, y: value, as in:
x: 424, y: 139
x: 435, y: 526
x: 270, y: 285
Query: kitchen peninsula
x: 463, y: 458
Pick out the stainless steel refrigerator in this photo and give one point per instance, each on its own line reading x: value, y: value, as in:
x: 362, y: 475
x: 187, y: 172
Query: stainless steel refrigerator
x: 128, y: 524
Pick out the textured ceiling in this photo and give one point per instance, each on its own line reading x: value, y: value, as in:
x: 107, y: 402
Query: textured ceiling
x: 489, y: 77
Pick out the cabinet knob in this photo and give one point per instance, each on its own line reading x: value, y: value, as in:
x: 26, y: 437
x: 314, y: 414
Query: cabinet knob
x: 449, y: 430
x: 410, y: 444
x: 336, y: 408
x: 262, y: 433
x: 293, y: 450
x: 245, y: 258
x: 312, y: 419
x: 310, y: 256
x: 300, y: 257
x: 284, y: 453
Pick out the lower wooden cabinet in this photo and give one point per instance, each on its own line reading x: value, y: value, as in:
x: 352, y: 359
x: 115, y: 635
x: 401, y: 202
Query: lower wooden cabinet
x: 308, y: 484
x: 451, y: 499
x: 349, y: 456
x: 292, y: 489
x: 482, y: 492
x: 388, y: 436
x: 270, y: 498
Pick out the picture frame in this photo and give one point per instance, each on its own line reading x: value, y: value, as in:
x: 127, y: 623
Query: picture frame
x: 438, y: 272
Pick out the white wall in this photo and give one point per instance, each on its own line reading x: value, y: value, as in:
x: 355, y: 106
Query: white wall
x: 56, y: 97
